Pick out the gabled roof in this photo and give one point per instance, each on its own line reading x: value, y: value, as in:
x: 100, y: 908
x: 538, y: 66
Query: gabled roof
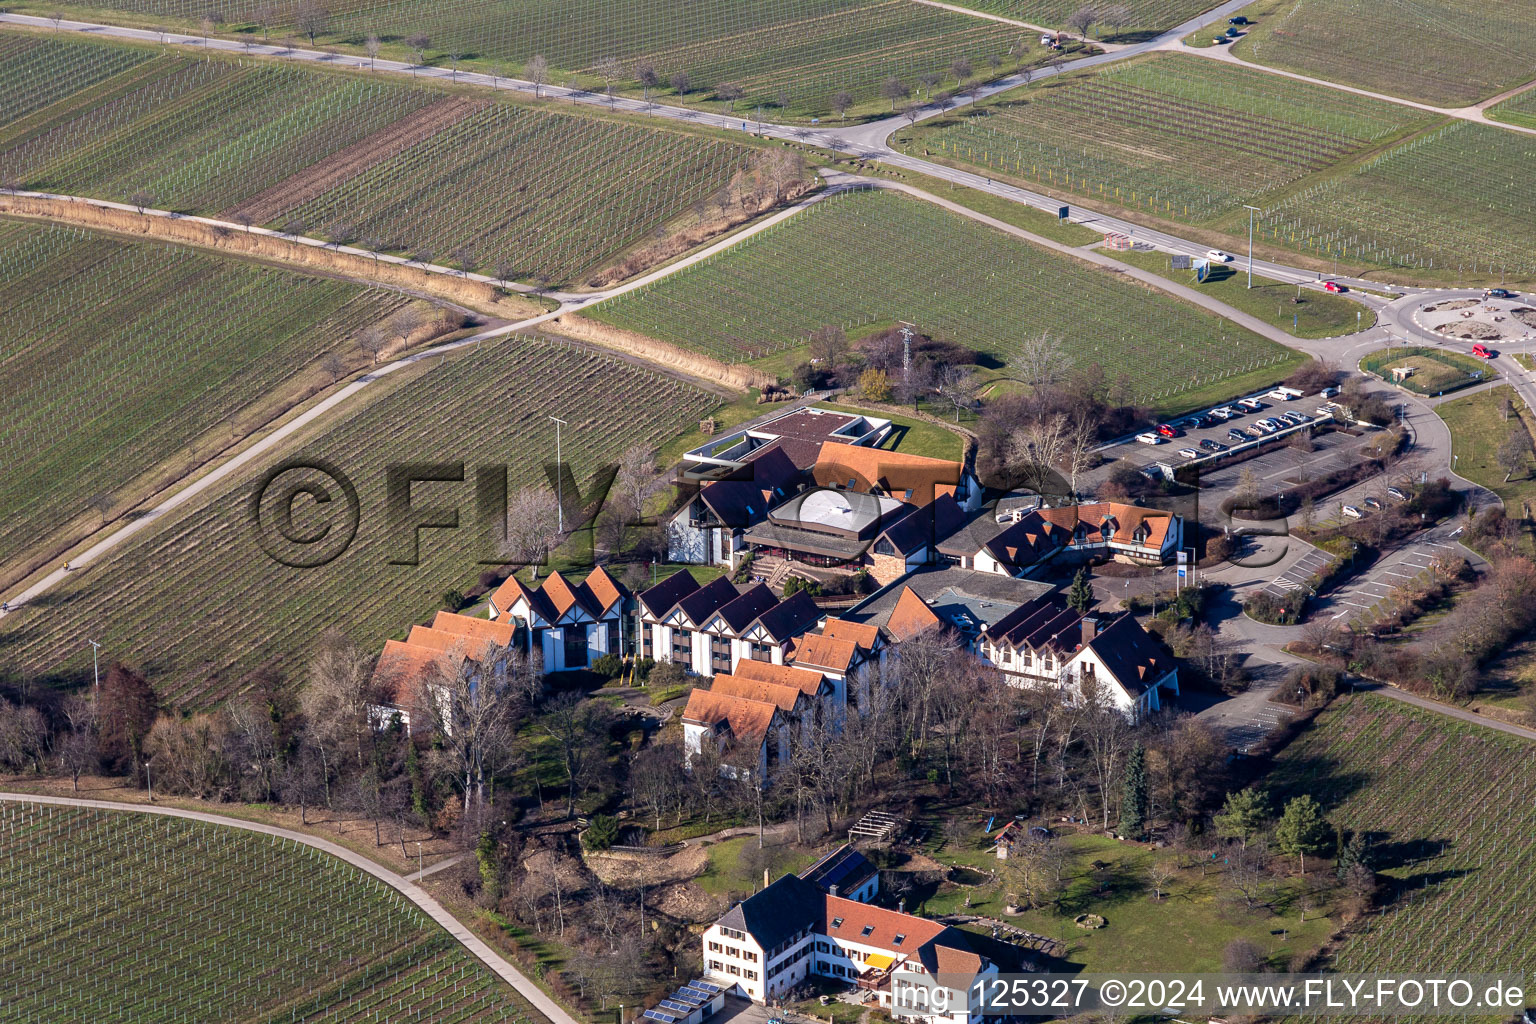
x: 748, y: 719
x: 790, y: 617
x: 875, y: 926
x: 1136, y: 658
x: 915, y: 479
x: 1041, y: 624
x: 663, y: 597
x: 803, y: 680
x: 863, y: 634
x: 708, y: 599
x: 742, y: 611
x: 1027, y: 541
x: 1112, y: 520
x: 821, y: 651
x: 562, y: 595
x: 469, y: 625
x: 950, y: 953
x: 603, y: 591
x: 788, y: 906
x: 926, y: 527
x: 910, y: 617
x: 785, y: 698
x: 473, y: 648
x: 404, y: 670
x: 513, y: 589
x: 740, y: 503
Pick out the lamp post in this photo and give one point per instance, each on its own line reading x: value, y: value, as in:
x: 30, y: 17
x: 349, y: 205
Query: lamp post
x: 95, y: 662
x: 149, y: 779
x: 559, y: 477
x: 1251, y: 211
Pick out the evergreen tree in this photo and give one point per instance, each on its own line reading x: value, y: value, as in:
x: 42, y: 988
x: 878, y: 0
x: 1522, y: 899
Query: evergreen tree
x: 1080, y: 597
x: 1242, y: 817
x: 1302, y: 829
x: 1134, y: 802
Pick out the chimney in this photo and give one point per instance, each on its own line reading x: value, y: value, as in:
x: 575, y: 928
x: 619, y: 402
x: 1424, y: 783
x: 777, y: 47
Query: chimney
x: 1090, y: 628
x: 765, y: 878
x: 831, y: 890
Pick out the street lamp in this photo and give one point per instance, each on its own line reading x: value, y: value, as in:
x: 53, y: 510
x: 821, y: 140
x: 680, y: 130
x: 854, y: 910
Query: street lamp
x: 149, y: 779
x: 1251, y: 211
x: 559, y: 476
x: 95, y: 663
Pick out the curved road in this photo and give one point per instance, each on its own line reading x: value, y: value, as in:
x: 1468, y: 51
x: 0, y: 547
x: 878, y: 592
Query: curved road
x: 492, y: 959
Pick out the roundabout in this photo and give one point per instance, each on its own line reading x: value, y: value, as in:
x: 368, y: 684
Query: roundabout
x: 1473, y: 319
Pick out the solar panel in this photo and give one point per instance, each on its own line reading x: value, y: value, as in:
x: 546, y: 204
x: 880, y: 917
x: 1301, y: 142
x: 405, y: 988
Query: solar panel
x: 705, y: 986
x: 671, y: 1003
x: 661, y: 1015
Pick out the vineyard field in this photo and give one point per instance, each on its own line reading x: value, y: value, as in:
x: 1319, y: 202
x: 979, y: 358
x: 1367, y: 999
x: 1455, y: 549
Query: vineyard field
x: 1172, y: 135
x: 1456, y: 199
x: 1447, y: 53
x: 114, y: 915
x: 1518, y: 110
x: 35, y: 72
x: 789, y: 55
x: 1146, y: 17
x: 1449, y: 805
x: 405, y: 167
x: 172, y: 601
x: 116, y: 355
x: 870, y: 258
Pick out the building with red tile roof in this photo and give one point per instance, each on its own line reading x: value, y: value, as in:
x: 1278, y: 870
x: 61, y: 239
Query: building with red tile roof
x: 749, y: 735
x: 568, y: 625
x: 1105, y: 529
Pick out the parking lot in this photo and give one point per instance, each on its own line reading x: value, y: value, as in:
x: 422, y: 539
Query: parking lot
x: 1282, y: 464
x: 1218, y: 432
x: 1296, y: 577
x: 1392, y: 571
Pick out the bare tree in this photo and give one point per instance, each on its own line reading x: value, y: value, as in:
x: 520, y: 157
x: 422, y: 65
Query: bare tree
x: 537, y: 72
x: 1514, y: 451
x: 961, y: 69
x: 646, y: 75
x: 311, y: 18
x: 1116, y: 16
x: 244, y: 219
x: 76, y: 746
x: 56, y: 17
x: 1080, y: 442
x: 930, y: 81
x: 1160, y: 873
x: 958, y: 385
x: 681, y: 83
x: 894, y: 89
x: 728, y: 93
x: 473, y: 709
x: 405, y: 323
x: 841, y: 101
x: 636, y: 480
x: 532, y: 526
x: 911, y: 112
x: 372, y: 341
x: 1043, y: 361
x: 372, y: 45
x: 206, y: 25
x: 609, y: 71
x: 142, y: 199
x: 419, y: 41
x: 578, y: 728
x: 263, y: 15
x: 828, y: 345
x: 338, y: 702
x: 333, y: 366
x: 1035, y: 448
x: 454, y: 56
x: 1082, y: 19
x: 464, y: 255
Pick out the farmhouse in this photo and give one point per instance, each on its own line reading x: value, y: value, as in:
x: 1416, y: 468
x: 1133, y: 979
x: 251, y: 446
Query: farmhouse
x: 713, y: 628
x: 568, y: 625
x: 1046, y: 644
x: 795, y: 929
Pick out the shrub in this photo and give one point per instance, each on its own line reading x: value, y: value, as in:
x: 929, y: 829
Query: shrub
x: 1277, y: 611
x: 602, y: 833
x: 609, y: 665
x: 453, y: 600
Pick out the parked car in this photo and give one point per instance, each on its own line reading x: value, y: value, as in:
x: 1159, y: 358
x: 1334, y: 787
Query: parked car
x: 1213, y: 446
x: 1168, y: 430
x: 1219, y: 40
x: 1324, y: 410
x: 1335, y: 287
x: 1256, y: 431
x: 1251, y: 404
x: 1217, y: 256
x: 1284, y: 394
x: 1189, y: 453
x: 1483, y: 351
x: 1498, y: 293
x: 1149, y: 438
x: 1232, y: 33
x: 1225, y: 413
x: 1236, y: 435
x: 1353, y: 513
x: 1268, y: 426
x: 1239, y: 20
x: 1396, y: 495
x: 1372, y: 503
x: 1328, y: 392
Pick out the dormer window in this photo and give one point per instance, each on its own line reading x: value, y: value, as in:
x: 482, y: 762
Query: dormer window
x: 853, y: 482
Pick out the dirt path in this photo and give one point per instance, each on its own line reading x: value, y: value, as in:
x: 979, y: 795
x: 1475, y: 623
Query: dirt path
x: 391, y: 140
x: 502, y: 968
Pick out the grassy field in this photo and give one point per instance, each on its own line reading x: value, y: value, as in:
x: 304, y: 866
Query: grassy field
x: 123, y: 916
x: 912, y: 435
x: 1317, y: 315
x: 1146, y: 17
x: 1170, y: 135
x: 408, y: 168
x: 872, y: 258
x: 118, y: 355
x: 1185, y: 931
x: 1435, y: 372
x: 791, y: 56
x: 1455, y: 199
x: 1478, y: 428
x: 1449, y: 53
x: 1449, y: 806
x: 730, y: 872
x: 198, y: 606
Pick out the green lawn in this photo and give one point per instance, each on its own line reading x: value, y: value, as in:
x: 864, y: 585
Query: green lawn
x: 1317, y: 315
x: 1185, y: 931
x: 1434, y: 371
x: 911, y: 435
x: 1478, y: 428
x: 732, y: 870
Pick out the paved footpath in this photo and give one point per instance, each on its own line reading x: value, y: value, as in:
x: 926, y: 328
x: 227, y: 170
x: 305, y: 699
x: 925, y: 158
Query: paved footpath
x: 492, y: 959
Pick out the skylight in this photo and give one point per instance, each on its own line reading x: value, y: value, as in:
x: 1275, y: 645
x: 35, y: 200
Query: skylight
x: 837, y: 922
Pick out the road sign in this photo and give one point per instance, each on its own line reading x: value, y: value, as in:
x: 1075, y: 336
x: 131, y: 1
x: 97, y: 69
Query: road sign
x: 1202, y: 270
x: 1062, y: 213
x: 1180, y: 261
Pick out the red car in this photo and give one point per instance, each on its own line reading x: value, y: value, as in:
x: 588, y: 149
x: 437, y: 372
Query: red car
x: 1483, y: 351
x: 1335, y: 287
x: 1168, y: 430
